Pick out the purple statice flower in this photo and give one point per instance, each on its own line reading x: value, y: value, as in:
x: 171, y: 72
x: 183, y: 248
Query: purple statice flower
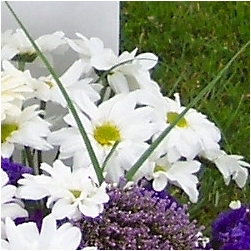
x: 136, y: 218
x: 231, y: 230
x: 14, y: 170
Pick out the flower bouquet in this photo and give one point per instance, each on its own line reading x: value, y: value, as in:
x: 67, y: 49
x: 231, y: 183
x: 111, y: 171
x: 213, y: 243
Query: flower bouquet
x: 119, y: 146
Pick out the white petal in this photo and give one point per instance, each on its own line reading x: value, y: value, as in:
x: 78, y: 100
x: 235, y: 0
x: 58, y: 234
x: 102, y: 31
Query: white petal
x: 118, y: 82
x: 147, y: 60
x: 67, y: 238
x: 160, y: 182
x: 13, y: 211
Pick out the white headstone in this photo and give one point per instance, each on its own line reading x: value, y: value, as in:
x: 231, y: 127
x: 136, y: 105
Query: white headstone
x: 90, y: 18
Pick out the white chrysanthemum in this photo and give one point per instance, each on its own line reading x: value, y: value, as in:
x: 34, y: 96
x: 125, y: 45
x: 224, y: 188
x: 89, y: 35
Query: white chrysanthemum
x: 10, y: 206
x: 115, y: 120
x: 26, y: 236
x: 230, y: 166
x: 48, y: 90
x: 16, y: 45
x: 131, y: 71
x: 193, y: 134
x: 179, y: 173
x: 70, y: 193
x: 16, y: 86
x: 26, y: 129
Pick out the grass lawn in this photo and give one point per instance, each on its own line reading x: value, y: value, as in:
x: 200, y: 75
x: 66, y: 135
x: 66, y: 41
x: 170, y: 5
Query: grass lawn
x: 194, y: 41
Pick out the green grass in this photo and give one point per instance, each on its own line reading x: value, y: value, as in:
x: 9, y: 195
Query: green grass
x: 194, y: 41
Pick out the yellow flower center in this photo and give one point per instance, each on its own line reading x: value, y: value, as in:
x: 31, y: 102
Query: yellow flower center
x: 76, y: 193
x: 159, y: 169
x: 6, y: 131
x: 171, y: 116
x: 49, y: 83
x: 106, y: 134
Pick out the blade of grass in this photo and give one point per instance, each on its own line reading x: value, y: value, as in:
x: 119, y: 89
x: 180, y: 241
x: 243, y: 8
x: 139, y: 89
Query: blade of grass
x: 110, y: 154
x: 67, y: 98
x: 129, y: 175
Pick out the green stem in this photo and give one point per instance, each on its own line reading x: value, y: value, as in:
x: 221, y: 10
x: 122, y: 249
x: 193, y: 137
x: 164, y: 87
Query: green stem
x: 39, y: 152
x: 129, y: 175
x: 29, y: 158
x: 67, y: 98
x: 21, y: 65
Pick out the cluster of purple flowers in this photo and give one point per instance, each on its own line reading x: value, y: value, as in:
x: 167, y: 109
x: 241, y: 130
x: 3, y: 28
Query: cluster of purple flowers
x: 136, y: 218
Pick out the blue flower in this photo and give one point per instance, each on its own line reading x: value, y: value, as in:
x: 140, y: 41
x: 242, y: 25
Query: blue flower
x: 231, y: 229
x: 14, y: 170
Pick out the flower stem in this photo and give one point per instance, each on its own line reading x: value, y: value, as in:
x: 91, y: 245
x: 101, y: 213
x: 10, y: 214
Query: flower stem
x: 39, y: 152
x: 29, y: 158
x: 21, y: 65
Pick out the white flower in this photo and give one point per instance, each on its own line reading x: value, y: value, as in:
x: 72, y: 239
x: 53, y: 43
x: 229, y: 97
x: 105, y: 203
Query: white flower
x: 25, y: 128
x: 70, y: 193
x: 193, y: 134
x: 87, y: 48
x: 10, y: 206
x: 235, y: 204
x: 48, y: 90
x: 129, y: 72
x: 16, y: 45
x: 115, y: 120
x: 179, y: 173
x: 229, y: 166
x: 26, y: 236
x: 16, y: 86
x: 202, y: 241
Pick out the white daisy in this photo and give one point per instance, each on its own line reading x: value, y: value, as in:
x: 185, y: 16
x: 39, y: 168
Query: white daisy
x: 48, y: 90
x: 179, y: 173
x: 115, y: 120
x: 26, y: 236
x: 131, y: 71
x: 10, y: 206
x: 16, y: 87
x: 193, y: 134
x: 16, y: 46
x: 230, y: 166
x: 26, y: 129
x: 70, y: 193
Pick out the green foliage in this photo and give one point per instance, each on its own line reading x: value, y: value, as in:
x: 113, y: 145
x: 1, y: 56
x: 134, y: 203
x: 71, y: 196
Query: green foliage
x: 194, y: 41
